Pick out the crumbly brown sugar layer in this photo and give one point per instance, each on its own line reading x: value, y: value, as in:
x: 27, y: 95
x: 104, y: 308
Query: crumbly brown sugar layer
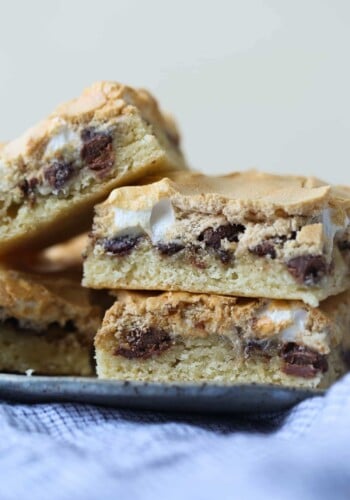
x: 53, y: 175
x: 248, y: 234
x: 181, y: 337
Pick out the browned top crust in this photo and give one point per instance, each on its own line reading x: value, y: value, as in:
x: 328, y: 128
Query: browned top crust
x: 99, y: 102
x: 37, y: 300
x: 65, y: 258
x: 202, y: 315
x: 258, y: 192
x: 144, y: 301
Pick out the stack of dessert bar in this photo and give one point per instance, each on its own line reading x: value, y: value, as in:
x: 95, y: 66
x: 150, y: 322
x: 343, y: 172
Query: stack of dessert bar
x: 50, y: 180
x: 252, y: 273
x: 234, y: 279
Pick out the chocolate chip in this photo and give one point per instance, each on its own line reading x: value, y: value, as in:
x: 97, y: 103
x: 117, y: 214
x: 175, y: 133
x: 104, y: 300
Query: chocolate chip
x: 195, y: 257
x: 212, y: 237
x: 121, y: 245
x: 308, y: 269
x: 70, y: 326
x: 12, y: 323
x: 97, y: 151
x: 143, y: 343
x: 344, y: 245
x: 169, y: 248
x: 263, y: 249
x: 28, y: 188
x: 58, y: 174
x: 224, y: 255
x: 301, y: 361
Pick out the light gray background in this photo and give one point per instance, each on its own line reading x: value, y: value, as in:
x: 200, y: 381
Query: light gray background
x: 252, y: 83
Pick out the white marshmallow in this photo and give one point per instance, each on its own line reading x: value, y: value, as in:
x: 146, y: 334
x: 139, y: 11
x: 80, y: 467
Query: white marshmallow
x: 154, y: 221
x: 162, y: 218
x: 297, y: 318
x: 60, y: 140
x: 132, y: 221
x: 329, y: 228
x: 298, y: 326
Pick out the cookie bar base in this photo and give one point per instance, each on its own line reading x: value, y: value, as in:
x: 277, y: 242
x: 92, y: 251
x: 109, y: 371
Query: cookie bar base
x: 144, y: 267
x: 44, y: 354
x: 207, y: 361
x: 183, y: 337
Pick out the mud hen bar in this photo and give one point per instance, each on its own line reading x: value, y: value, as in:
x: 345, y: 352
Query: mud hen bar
x: 182, y: 337
x: 47, y: 324
x: 247, y: 234
x: 51, y: 177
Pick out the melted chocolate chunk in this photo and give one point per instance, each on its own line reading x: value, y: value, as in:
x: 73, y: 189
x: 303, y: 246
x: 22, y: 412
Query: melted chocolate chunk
x: 224, y: 255
x: 11, y: 322
x: 97, y: 151
x: 263, y: 249
x: 70, y: 326
x: 195, y: 256
x: 121, y: 245
x: 169, y: 248
x: 344, y: 245
x: 212, y: 237
x: 308, y: 269
x: 301, y: 361
x: 28, y: 187
x: 144, y: 343
x: 58, y: 174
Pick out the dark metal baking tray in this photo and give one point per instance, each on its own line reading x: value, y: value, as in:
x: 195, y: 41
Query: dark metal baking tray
x: 201, y: 398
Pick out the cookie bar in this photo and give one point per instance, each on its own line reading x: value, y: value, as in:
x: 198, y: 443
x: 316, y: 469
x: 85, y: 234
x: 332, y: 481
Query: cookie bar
x: 247, y: 234
x: 47, y: 324
x: 65, y: 257
x: 51, y: 177
x: 182, y: 337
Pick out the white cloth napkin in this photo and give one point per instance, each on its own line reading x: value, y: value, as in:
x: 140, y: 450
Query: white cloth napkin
x: 70, y: 451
